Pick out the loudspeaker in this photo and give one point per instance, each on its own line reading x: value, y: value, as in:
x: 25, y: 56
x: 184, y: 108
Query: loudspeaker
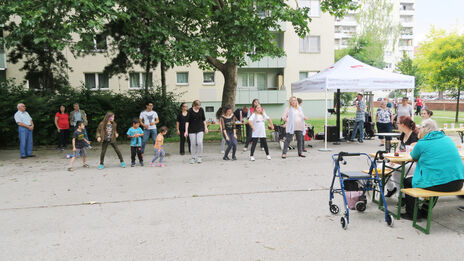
x: 332, y: 134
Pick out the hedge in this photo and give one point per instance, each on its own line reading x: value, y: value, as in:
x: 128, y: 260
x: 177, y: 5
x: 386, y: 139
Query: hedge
x: 43, y: 106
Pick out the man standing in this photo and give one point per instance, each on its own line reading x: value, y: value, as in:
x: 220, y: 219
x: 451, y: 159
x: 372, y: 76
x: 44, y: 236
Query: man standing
x: 419, y: 105
x: 360, y: 117
x: 25, y: 128
x: 79, y: 115
x: 240, y: 115
x: 148, y: 119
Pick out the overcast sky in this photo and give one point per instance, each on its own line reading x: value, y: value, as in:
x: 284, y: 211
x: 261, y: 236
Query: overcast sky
x: 445, y: 14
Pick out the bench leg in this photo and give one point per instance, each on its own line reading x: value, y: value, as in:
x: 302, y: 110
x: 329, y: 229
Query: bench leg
x: 425, y: 230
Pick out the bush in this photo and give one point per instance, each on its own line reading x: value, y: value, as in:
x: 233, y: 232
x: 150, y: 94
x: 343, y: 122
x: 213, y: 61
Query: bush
x: 43, y: 106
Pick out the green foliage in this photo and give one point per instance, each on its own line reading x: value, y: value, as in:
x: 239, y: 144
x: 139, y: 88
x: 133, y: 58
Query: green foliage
x: 95, y: 103
x: 408, y: 67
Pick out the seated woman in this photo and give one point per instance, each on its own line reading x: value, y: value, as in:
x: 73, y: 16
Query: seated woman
x: 408, y: 138
x: 439, y: 165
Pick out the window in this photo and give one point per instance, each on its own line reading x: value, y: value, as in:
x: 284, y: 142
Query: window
x: 137, y: 80
x: 388, y: 66
x: 261, y: 80
x: 99, y: 43
x: 96, y: 81
x: 313, y: 5
x: 304, y: 75
x: 246, y: 79
x: 208, y: 78
x: 310, y: 44
x: 209, y: 108
x: 182, y: 78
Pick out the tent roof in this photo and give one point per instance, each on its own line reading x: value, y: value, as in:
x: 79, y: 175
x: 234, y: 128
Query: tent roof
x: 349, y: 74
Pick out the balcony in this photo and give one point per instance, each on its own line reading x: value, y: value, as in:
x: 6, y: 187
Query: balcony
x: 267, y: 62
x: 406, y: 48
x: 245, y: 96
x: 407, y: 12
x: 407, y: 36
x: 344, y: 34
x: 345, y: 22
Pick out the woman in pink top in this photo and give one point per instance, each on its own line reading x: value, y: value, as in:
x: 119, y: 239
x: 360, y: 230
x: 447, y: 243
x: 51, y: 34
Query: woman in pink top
x: 62, y: 126
x: 294, y: 124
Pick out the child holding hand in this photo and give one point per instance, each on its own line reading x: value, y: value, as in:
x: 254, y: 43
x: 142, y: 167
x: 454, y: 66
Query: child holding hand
x: 135, y: 133
x: 159, y: 148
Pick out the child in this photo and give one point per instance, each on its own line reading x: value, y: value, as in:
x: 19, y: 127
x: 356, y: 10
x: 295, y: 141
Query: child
x: 135, y: 132
x: 228, y: 130
x: 159, y: 148
x: 107, y: 135
x: 258, y: 128
x: 78, y: 143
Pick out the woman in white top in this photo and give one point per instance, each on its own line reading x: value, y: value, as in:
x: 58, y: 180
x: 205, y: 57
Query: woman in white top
x: 294, y: 124
x: 404, y: 109
x: 257, y: 123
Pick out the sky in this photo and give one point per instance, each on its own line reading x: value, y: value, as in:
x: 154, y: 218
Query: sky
x: 444, y: 14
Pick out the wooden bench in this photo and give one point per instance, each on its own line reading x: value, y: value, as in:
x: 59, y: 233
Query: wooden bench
x: 417, y: 193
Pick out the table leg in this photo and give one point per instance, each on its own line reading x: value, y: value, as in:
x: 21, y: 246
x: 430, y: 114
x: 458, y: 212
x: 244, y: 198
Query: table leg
x: 400, y: 194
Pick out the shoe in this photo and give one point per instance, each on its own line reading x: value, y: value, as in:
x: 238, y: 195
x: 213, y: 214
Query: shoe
x: 245, y: 149
x: 461, y: 208
x: 89, y: 147
x: 123, y: 165
x: 262, y: 149
x: 132, y: 164
x: 409, y: 217
x: 390, y: 192
x: 268, y: 157
x: 25, y: 157
x: 152, y: 164
x: 182, y: 153
x: 234, y: 158
x: 382, y: 145
x: 360, y: 141
x: 141, y: 164
x: 222, y: 152
x: 301, y: 155
x: 284, y: 156
x: 192, y: 161
x: 199, y: 160
x: 86, y: 165
x: 305, y: 150
x: 225, y: 158
x: 70, y: 169
x: 350, y: 140
x: 252, y: 158
x: 100, y: 166
x: 161, y: 165
x: 31, y: 156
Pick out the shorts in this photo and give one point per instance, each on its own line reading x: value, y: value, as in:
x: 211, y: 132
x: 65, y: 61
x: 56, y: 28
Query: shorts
x: 81, y: 152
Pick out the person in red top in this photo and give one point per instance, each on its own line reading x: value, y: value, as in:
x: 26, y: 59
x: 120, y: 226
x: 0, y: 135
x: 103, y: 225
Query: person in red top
x: 419, y: 105
x: 62, y: 125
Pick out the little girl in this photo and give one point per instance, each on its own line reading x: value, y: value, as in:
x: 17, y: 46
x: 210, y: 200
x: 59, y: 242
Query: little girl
x: 107, y: 135
x: 258, y: 127
x: 159, y: 148
x: 228, y: 130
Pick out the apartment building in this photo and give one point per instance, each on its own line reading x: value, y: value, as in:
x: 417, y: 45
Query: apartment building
x: 402, y: 14
x: 269, y: 79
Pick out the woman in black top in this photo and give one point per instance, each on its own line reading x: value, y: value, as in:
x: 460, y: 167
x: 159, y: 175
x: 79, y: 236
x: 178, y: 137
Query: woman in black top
x: 408, y: 137
x: 195, y: 128
x: 228, y: 130
x: 181, y: 120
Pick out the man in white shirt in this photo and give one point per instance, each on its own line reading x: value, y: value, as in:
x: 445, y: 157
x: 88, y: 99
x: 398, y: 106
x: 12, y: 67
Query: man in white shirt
x: 148, y: 119
x: 25, y: 128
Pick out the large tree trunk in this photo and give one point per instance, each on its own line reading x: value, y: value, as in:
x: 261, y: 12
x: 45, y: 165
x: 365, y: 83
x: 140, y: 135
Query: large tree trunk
x: 457, y: 101
x: 147, y: 71
x: 230, y: 84
x: 163, y: 78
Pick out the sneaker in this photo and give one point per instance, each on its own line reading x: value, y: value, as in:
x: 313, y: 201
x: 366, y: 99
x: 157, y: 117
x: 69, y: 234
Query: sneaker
x: 234, y: 158
x: 86, y: 165
x: 245, y: 149
x: 222, y: 152
x: 161, y: 165
x: 89, y: 147
x: 152, y: 164
x: 199, y: 160
x: 360, y: 141
x: 133, y: 164
x: 252, y: 158
x: 225, y: 158
x: 262, y: 149
x: 268, y: 157
x: 70, y: 169
x: 100, y: 166
x: 123, y: 165
x: 192, y: 161
x: 461, y: 208
x: 141, y: 163
x: 350, y: 140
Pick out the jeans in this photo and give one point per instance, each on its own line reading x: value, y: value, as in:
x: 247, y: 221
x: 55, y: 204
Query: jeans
x: 232, y: 144
x: 263, y: 145
x: 248, y: 135
x: 105, y: 146
x: 146, y: 135
x: 159, y: 153
x: 182, y: 142
x: 63, y: 138
x: 134, y: 151
x: 196, y: 144
x: 299, y: 140
x: 25, y: 141
x: 358, y: 125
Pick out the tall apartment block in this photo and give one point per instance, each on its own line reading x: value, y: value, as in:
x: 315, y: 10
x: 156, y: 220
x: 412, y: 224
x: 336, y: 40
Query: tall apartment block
x: 269, y: 79
x: 402, y: 14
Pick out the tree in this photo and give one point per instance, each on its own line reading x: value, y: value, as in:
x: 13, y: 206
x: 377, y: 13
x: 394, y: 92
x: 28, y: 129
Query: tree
x: 441, y: 61
x: 226, y: 32
x: 39, y: 31
x: 407, y: 66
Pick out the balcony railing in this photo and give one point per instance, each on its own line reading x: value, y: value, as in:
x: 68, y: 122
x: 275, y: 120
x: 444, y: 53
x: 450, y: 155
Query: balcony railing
x: 267, y: 62
x: 245, y: 96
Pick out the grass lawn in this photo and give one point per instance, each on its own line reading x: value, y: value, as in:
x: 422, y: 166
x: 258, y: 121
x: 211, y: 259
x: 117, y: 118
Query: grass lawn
x: 441, y: 117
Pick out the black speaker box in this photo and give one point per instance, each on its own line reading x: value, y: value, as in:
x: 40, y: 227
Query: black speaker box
x: 332, y: 134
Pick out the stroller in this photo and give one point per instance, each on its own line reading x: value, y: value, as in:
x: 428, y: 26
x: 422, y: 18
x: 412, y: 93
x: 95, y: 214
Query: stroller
x: 354, y: 185
x: 280, y: 135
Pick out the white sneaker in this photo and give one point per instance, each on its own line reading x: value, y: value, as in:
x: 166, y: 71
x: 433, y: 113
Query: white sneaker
x: 252, y: 158
x: 222, y: 152
x: 268, y: 157
x: 199, y: 160
x: 192, y: 161
x: 262, y: 149
x: 245, y: 149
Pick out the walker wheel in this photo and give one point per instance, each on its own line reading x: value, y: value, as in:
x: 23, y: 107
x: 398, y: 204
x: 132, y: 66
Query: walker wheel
x: 360, y: 206
x: 344, y: 222
x: 390, y: 220
x: 334, y: 209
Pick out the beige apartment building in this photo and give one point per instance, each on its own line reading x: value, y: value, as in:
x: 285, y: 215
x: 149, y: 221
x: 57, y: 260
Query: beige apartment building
x: 269, y: 79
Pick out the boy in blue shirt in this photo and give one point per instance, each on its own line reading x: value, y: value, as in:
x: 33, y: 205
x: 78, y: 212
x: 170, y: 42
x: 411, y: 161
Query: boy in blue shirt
x: 135, y: 133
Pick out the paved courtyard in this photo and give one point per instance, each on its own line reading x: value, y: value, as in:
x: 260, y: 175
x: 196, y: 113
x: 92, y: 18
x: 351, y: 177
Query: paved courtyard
x: 217, y: 210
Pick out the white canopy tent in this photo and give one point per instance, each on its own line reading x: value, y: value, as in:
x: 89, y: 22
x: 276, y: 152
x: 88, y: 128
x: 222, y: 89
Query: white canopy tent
x: 351, y: 75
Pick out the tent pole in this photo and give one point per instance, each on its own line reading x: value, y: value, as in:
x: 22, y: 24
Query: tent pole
x: 338, y: 118
x: 325, y: 125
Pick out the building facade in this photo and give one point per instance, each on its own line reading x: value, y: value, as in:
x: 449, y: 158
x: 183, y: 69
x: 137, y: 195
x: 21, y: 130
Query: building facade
x: 269, y: 79
x: 402, y: 14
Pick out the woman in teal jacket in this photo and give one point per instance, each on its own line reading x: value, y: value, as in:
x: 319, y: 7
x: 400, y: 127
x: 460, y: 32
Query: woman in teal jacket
x: 439, y: 165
